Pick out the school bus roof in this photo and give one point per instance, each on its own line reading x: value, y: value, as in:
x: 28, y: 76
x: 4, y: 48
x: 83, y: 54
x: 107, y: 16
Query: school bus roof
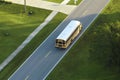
x: 69, y: 29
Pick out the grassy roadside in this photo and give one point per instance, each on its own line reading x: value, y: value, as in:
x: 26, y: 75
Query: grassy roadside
x: 56, y: 1
x: 18, y: 60
x: 88, y: 57
x: 72, y: 2
x: 15, y: 26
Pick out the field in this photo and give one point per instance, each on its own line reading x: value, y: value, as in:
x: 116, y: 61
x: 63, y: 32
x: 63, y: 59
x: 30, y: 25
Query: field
x: 15, y: 26
x: 95, y: 56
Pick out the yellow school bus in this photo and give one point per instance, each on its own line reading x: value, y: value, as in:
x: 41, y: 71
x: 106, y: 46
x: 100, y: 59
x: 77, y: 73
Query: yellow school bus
x: 66, y: 37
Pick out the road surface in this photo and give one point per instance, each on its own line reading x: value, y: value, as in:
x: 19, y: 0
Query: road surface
x: 46, y: 56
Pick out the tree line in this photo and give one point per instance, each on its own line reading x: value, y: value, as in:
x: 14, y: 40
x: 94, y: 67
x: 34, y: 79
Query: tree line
x: 105, y: 46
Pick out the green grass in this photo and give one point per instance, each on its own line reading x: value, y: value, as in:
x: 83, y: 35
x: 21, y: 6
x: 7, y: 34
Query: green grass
x: 21, y: 57
x: 72, y: 2
x: 56, y: 1
x: 15, y: 26
x: 81, y: 62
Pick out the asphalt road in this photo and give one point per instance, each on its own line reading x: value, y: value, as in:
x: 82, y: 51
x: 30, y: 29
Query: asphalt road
x: 46, y: 56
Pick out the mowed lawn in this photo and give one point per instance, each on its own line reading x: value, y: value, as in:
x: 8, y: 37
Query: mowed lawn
x: 71, y: 2
x: 56, y: 1
x: 15, y: 26
x: 81, y: 63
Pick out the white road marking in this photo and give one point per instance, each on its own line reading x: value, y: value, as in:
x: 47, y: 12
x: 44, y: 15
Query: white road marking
x: 47, y: 54
x: 27, y: 77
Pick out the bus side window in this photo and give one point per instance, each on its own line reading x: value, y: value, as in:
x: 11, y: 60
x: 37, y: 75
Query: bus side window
x: 60, y: 42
